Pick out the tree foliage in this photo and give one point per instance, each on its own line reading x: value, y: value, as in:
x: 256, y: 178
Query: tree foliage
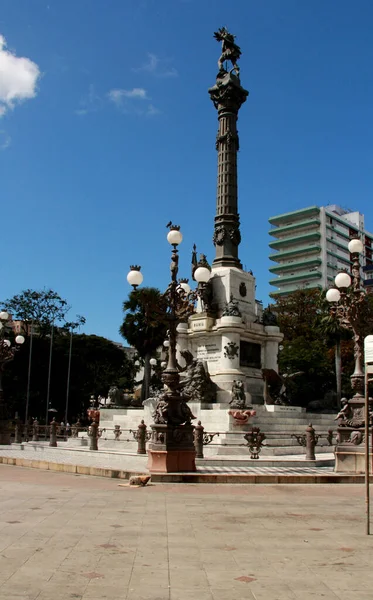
x: 96, y: 365
x: 40, y: 307
x: 316, y: 343
x: 145, y: 326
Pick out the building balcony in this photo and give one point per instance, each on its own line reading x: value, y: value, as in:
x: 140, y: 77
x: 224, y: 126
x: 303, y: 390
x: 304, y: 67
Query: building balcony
x: 296, y: 265
x: 283, y: 254
x: 294, y: 288
x: 303, y: 275
x: 311, y: 224
x: 296, y: 239
x: 295, y: 215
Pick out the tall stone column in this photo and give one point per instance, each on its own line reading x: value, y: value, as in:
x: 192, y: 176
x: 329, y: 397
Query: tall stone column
x: 227, y: 95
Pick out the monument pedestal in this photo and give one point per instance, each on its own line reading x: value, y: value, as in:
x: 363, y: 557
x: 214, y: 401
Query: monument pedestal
x: 351, y: 459
x: 171, y: 449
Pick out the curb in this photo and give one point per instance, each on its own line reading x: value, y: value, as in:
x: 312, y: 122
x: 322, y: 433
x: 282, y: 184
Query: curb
x: 68, y: 468
x: 230, y: 478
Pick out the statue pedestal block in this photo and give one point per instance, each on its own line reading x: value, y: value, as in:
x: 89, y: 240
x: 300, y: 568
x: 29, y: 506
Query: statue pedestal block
x: 171, y: 461
x: 171, y: 449
x: 351, y: 459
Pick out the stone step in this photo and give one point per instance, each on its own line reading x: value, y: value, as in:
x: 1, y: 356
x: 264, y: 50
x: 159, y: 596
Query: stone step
x: 283, y: 451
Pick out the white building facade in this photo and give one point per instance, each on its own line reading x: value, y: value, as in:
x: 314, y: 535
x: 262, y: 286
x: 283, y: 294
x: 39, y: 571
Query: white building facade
x: 311, y: 247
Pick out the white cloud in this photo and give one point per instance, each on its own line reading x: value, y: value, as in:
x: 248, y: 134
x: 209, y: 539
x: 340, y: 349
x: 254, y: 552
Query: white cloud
x: 152, y: 110
x: 119, y: 96
x: 132, y: 101
x: 157, y: 67
x: 18, y: 78
x: 91, y: 102
x: 5, y: 140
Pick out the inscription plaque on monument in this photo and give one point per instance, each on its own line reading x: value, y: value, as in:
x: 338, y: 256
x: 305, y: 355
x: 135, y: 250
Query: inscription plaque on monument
x: 250, y: 355
x: 210, y: 352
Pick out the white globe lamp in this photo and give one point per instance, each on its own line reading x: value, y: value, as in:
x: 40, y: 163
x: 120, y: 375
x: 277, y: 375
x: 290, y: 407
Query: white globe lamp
x: 333, y: 295
x: 20, y: 339
x: 202, y: 274
x: 343, y: 280
x: 355, y: 246
x: 185, y: 287
x: 135, y: 277
x: 174, y: 237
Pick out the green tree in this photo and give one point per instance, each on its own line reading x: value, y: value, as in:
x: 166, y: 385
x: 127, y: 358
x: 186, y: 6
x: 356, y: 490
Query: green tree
x: 310, y: 357
x: 145, y: 327
x: 310, y: 330
x: 39, y: 307
x: 96, y: 365
x: 299, y: 313
x: 333, y: 333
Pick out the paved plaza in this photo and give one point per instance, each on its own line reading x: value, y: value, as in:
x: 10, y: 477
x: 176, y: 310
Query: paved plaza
x: 65, y: 536
x: 138, y: 463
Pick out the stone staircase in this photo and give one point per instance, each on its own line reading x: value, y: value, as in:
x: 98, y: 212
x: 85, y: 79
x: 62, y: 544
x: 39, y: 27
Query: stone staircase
x: 278, y: 423
x: 278, y: 427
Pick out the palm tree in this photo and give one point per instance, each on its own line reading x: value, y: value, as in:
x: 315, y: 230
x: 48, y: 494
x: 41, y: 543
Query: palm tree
x: 145, y: 327
x: 332, y: 330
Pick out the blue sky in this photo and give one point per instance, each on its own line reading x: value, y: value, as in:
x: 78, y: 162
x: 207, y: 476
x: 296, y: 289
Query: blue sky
x: 107, y: 132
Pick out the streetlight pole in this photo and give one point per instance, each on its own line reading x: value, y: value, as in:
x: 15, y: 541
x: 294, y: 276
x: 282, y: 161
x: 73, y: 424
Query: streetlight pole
x: 368, y: 355
x: 172, y: 448
x: 49, y: 377
x: 73, y: 325
x: 349, y: 304
x: 68, y: 374
x: 29, y: 379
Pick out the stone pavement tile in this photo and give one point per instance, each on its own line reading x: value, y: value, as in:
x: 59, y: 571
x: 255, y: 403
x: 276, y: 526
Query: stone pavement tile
x: 148, y: 576
x: 306, y: 595
x: 185, y: 594
x: 19, y: 591
x: 356, y: 595
x: 107, y: 590
x: 148, y: 593
x: 188, y: 579
x: 23, y: 597
x: 261, y: 592
x: 219, y: 594
x: 221, y: 562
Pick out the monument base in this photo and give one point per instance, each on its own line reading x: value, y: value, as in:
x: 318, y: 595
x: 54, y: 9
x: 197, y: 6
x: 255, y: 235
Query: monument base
x: 171, y: 449
x: 351, y: 460
x: 171, y: 461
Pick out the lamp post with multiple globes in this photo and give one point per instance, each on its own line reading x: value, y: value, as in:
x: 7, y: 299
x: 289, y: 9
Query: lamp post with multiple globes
x: 349, y: 304
x: 171, y: 448
x: 7, y: 352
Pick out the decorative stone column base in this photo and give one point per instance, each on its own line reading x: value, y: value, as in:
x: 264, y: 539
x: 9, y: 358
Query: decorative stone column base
x: 171, y: 449
x: 351, y: 459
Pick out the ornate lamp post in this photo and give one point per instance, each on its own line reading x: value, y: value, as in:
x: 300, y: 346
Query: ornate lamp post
x: 172, y: 447
x: 348, y: 303
x: 7, y: 352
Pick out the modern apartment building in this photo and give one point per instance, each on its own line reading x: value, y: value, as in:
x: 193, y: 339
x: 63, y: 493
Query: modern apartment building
x: 311, y: 247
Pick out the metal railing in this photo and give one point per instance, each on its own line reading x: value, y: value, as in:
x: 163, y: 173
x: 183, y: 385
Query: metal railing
x: 254, y: 439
